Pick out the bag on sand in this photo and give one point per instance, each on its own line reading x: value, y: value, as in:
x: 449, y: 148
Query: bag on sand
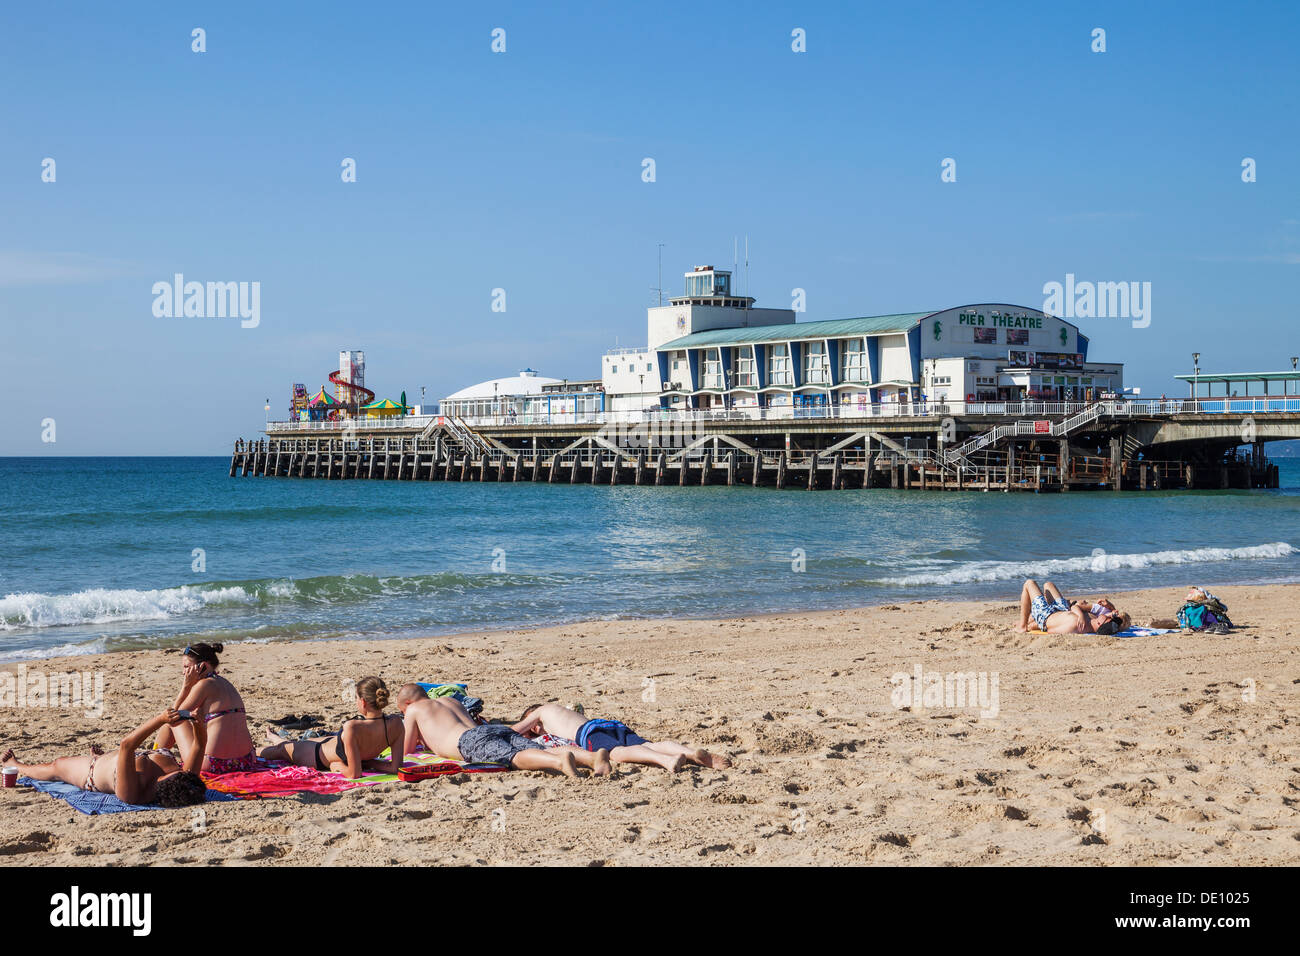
x: 1199, y: 615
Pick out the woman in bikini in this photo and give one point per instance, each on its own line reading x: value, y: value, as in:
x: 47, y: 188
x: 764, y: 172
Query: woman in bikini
x: 204, y: 691
x: 134, y: 774
x: 357, y: 745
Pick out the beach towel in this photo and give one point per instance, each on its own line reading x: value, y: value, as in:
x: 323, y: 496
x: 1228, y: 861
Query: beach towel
x: 457, y: 692
x: 287, y: 780
x: 93, y: 802
x: 1132, y: 631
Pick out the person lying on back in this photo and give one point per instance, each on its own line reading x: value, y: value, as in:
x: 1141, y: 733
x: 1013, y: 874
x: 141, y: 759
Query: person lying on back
x: 135, y: 774
x: 1053, y: 614
x: 624, y: 745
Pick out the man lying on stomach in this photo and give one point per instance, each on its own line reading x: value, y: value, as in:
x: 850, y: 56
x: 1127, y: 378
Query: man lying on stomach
x: 447, y: 729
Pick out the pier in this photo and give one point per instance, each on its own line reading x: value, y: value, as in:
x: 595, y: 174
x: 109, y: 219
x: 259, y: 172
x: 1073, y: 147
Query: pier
x: 1004, y: 447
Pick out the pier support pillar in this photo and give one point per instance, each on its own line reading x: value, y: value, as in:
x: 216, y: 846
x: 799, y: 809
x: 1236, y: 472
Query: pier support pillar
x: 640, y: 468
x: 660, y: 465
x: 780, y: 470
x: 1063, y: 463
x: 706, y: 465
x: 812, y: 471
x: 1116, y: 465
x: 758, y: 467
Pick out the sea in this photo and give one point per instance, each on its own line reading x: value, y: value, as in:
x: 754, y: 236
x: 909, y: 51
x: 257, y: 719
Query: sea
x: 105, y: 554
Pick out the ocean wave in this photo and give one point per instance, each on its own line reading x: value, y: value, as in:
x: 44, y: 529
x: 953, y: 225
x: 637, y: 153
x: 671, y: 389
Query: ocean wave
x: 973, y: 572
x: 124, y: 605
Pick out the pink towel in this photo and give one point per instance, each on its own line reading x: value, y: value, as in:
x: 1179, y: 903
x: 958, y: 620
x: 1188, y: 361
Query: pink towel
x: 283, y: 781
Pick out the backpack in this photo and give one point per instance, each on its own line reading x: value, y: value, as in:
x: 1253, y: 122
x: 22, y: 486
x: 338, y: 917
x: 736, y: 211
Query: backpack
x: 1198, y: 615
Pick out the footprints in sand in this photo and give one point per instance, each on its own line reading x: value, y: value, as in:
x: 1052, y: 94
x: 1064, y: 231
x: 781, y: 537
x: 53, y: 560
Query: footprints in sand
x: 38, y: 841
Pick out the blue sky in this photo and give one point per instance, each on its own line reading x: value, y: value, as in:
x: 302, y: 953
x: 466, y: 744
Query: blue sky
x: 522, y: 171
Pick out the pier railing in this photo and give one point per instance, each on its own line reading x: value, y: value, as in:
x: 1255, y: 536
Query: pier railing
x: 845, y: 412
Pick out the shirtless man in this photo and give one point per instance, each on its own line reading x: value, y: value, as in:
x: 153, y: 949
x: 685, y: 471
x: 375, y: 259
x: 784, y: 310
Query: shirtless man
x: 1055, y: 615
x: 624, y: 746
x: 445, y: 728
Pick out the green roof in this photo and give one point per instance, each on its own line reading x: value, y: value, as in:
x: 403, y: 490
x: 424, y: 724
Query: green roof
x: 1241, y: 377
x: 795, y: 331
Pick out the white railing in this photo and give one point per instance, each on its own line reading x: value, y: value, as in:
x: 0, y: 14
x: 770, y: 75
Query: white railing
x: 882, y: 410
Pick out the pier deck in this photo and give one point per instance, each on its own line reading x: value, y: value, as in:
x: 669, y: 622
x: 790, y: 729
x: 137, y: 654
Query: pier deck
x: 1115, y: 446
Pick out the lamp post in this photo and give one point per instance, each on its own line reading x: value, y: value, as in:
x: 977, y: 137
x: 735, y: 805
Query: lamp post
x: 495, y: 400
x: 643, y: 404
x: 1196, y: 372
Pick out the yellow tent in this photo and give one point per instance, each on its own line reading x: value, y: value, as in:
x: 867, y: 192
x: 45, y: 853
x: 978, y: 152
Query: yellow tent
x: 386, y: 408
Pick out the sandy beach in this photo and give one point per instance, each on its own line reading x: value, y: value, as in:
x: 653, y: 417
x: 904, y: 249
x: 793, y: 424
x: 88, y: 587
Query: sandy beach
x: 1171, y: 749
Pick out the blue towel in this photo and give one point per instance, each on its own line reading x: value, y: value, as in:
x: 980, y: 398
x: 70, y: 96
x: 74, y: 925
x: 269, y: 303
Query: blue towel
x: 92, y: 801
x: 1136, y: 631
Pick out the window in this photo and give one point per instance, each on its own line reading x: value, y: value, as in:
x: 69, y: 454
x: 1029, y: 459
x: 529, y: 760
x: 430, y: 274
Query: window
x: 815, y: 369
x: 614, y: 369
x: 712, y: 369
x: 856, y: 366
x: 778, y: 365
x: 745, y: 377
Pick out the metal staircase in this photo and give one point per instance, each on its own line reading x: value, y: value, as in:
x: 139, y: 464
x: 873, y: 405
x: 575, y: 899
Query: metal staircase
x: 962, y: 453
x: 456, y: 432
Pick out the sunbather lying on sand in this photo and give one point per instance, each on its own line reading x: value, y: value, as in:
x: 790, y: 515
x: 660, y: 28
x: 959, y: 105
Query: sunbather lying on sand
x: 624, y: 746
x: 1053, y: 614
x: 445, y: 728
x: 133, y: 774
x: 358, y: 744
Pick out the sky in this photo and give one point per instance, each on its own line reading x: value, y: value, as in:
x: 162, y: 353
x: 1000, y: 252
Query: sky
x: 522, y: 170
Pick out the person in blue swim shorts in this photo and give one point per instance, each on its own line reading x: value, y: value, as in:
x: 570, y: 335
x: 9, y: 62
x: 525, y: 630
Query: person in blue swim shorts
x: 625, y: 746
x: 1053, y: 614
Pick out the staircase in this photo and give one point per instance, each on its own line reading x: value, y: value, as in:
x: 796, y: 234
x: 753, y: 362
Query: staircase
x: 457, y: 433
x: 1061, y: 429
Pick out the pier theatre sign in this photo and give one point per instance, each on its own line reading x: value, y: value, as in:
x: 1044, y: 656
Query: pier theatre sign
x: 999, y: 320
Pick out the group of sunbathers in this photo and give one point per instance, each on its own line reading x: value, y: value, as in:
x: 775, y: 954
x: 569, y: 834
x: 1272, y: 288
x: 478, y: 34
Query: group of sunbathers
x: 206, y: 731
x: 1053, y: 614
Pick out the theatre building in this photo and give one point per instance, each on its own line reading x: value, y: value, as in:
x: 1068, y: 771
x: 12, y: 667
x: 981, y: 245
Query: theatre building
x: 712, y: 349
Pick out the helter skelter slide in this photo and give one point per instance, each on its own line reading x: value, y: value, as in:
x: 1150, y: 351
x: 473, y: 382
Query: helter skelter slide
x: 342, y: 388
x: 350, y: 381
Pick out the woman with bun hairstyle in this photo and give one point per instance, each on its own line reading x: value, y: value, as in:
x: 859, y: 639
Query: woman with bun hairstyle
x: 357, y: 745
x: 214, y: 700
